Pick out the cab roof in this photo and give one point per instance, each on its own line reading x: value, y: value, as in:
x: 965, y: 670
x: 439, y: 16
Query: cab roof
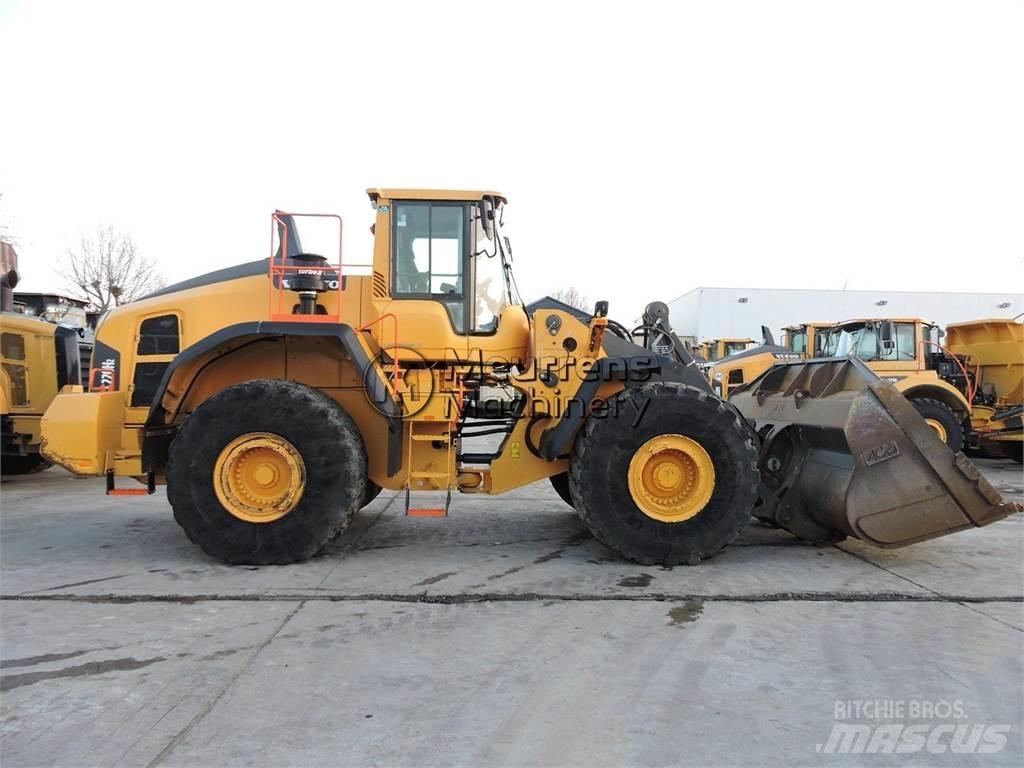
x: 812, y: 324
x: 892, y: 319
x: 16, y: 321
x: 395, y: 193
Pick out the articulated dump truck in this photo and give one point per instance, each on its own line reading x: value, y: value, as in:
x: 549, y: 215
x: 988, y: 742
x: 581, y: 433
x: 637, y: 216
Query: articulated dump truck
x: 278, y: 397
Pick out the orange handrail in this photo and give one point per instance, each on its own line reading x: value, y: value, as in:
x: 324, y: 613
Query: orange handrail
x: 279, y: 269
x: 395, y: 347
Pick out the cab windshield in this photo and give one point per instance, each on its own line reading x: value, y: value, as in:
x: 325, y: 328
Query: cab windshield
x: 797, y: 341
x: 825, y: 341
x: 491, y: 266
x: 732, y: 347
x: 864, y: 341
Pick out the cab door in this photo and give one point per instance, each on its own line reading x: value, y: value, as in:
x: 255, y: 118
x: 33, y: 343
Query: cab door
x: 430, y: 264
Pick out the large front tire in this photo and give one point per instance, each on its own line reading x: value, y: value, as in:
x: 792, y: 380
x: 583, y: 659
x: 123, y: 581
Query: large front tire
x: 943, y: 420
x: 676, y: 487
x: 266, y: 472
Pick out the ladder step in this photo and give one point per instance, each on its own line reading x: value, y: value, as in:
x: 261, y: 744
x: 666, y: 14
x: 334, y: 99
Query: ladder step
x: 427, y: 512
x: 431, y: 438
x: 428, y: 475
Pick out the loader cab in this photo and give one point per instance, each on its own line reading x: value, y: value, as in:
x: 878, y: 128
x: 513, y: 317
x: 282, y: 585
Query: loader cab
x: 448, y: 251
x: 446, y: 257
x: 892, y: 343
x: 810, y: 340
x: 717, y: 349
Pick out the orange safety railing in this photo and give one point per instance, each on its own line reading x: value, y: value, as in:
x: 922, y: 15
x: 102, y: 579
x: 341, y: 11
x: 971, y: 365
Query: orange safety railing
x: 280, y: 270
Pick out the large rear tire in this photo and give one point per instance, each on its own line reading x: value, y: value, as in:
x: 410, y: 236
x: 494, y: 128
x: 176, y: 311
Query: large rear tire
x: 943, y: 420
x: 28, y: 464
x: 677, y: 487
x: 266, y: 472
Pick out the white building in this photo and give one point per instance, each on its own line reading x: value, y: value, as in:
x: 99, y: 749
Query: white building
x: 710, y: 313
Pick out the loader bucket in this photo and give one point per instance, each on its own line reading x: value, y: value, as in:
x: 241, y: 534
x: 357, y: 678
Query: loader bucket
x: 843, y: 453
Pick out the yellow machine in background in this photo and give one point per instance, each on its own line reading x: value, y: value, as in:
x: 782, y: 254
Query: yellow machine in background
x: 716, y: 349
x: 907, y: 352
x: 275, y: 398
x: 810, y: 340
x: 951, y: 386
x: 798, y: 341
x: 38, y: 358
x: 993, y: 352
x: 744, y: 366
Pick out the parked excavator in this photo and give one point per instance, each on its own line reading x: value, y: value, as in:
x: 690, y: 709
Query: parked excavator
x: 276, y: 398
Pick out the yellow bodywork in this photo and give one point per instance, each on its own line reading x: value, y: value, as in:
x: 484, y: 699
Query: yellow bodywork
x: 100, y: 432
x: 994, y: 350
x: 28, y: 375
x: 716, y: 349
x: 808, y: 340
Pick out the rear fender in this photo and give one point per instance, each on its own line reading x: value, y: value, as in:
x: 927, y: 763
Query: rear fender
x: 945, y: 393
x: 188, y: 366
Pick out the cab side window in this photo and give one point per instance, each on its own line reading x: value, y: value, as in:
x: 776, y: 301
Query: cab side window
x: 903, y: 344
x: 429, y: 253
x: 157, y: 336
x: 12, y: 349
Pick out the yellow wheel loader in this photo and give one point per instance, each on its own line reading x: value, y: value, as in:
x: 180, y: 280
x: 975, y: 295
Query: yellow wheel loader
x: 799, y: 342
x: 717, y: 349
x: 941, y: 384
x: 907, y: 352
x: 277, y: 397
x: 37, y: 359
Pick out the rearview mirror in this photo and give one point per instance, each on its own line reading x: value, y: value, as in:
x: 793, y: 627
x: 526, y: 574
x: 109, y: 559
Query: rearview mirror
x: 885, y: 335
x: 487, y: 216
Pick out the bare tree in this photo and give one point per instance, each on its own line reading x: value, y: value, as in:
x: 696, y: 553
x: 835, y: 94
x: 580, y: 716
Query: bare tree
x: 572, y: 297
x: 5, y: 235
x: 107, y: 269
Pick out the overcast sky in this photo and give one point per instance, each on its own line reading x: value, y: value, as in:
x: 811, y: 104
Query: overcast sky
x: 646, y: 148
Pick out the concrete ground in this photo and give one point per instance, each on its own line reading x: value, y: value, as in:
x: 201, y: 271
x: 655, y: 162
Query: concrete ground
x: 503, y: 635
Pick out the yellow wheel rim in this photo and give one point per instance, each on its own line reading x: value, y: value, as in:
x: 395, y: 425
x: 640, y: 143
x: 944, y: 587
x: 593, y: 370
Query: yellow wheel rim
x: 259, y: 477
x: 937, y: 426
x: 671, y: 478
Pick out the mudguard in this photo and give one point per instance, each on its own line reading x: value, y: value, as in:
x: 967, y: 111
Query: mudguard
x: 843, y: 453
